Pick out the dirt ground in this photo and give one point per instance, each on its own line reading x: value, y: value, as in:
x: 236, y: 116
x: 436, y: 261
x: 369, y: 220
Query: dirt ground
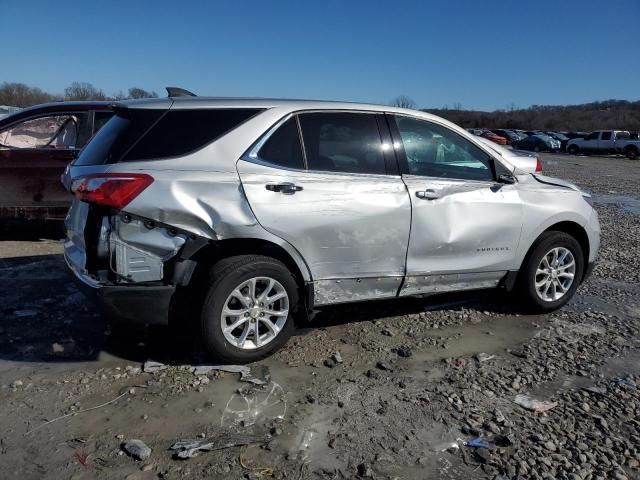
x: 395, y: 389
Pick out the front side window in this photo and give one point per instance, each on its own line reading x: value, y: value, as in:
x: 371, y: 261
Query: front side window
x: 606, y: 135
x: 283, y: 147
x: 342, y: 142
x: 53, y: 131
x: 435, y: 151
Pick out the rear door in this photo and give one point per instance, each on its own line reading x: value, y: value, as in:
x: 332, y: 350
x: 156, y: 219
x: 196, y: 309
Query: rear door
x: 33, y: 155
x: 465, y: 227
x: 327, y: 183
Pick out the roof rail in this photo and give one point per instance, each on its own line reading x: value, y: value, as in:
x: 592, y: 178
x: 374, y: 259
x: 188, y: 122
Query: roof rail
x: 179, y: 92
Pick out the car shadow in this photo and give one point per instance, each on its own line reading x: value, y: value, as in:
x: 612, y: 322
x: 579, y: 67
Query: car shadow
x: 45, y: 318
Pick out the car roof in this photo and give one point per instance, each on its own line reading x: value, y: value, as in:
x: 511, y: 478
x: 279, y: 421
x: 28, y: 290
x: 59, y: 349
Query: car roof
x: 257, y: 102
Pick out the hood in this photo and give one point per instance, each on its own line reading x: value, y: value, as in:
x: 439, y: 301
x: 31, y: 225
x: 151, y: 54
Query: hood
x: 520, y: 162
x: 556, y: 182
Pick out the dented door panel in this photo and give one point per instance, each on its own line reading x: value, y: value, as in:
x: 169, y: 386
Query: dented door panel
x: 344, y: 225
x: 465, y: 226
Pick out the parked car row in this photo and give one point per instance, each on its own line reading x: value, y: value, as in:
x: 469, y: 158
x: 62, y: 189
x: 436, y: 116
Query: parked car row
x: 533, y: 141
x: 602, y: 141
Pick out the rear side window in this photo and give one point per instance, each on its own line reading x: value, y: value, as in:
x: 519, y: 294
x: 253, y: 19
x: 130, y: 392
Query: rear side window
x: 117, y: 136
x: 283, y: 148
x: 342, y: 142
x: 180, y: 132
x: 606, y: 136
x: 151, y: 134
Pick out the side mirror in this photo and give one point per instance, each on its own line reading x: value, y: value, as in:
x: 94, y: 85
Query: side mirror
x: 507, y: 179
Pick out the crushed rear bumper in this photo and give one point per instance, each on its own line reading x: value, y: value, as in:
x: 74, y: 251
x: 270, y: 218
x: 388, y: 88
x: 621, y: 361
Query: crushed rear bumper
x: 140, y: 304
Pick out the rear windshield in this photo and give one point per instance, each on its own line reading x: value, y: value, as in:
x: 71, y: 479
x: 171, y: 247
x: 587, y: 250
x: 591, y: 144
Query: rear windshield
x: 151, y: 134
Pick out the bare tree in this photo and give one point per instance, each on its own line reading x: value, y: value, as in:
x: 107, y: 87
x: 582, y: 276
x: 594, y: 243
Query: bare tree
x: 403, y: 101
x: 136, y: 92
x: 83, y: 91
x: 21, y: 95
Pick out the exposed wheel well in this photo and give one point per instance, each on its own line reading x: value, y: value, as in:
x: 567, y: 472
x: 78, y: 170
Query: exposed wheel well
x: 212, y: 253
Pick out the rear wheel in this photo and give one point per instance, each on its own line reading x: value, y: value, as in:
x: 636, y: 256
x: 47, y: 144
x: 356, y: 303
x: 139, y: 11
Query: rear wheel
x: 552, y: 272
x: 249, y: 307
x: 573, y: 149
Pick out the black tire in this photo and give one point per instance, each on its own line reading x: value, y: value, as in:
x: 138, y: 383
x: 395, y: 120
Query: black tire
x: 631, y: 153
x: 573, y: 149
x: 536, y: 149
x: 225, y: 276
x: 527, y: 278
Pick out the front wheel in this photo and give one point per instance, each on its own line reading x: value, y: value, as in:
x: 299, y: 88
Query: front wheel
x: 248, y: 311
x: 573, y: 150
x: 631, y: 153
x: 552, y: 272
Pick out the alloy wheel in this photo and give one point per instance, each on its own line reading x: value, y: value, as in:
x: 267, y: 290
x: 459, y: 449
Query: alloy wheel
x: 254, y: 313
x: 555, y: 274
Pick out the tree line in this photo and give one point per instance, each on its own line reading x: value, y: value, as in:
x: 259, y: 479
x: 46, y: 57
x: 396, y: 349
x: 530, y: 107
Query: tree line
x: 608, y: 114
x: 21, y: 95
x: 603, y: 115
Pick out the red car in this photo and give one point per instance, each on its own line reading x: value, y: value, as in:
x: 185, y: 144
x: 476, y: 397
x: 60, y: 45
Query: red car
x: 36, y: 144
x: 489, y: 135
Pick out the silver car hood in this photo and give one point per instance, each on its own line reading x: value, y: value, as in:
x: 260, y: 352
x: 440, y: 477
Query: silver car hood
x: 518, y: 161
x: 556, y: 182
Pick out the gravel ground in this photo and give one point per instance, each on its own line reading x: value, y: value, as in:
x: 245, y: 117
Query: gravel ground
x: 396, y: 389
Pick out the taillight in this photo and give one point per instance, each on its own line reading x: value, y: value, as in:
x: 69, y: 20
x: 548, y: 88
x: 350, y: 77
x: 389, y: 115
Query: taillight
x: 538, y: 165
x: 110, y: 189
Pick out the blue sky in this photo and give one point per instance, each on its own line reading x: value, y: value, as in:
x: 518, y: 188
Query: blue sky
x: 481, y: 54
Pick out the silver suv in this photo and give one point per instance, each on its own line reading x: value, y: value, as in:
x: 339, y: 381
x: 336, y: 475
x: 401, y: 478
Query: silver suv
x: 255, y: 212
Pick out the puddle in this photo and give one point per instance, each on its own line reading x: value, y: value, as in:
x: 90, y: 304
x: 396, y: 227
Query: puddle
x: 310, y: 443
x: 489, y: 336
x: 625, y: 203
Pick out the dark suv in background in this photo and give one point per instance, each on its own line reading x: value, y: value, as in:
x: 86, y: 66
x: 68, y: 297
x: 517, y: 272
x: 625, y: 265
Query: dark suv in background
x: 36, y: 144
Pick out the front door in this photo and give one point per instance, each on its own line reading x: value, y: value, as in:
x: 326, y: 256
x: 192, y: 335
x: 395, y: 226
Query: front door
x: 335, y: 201
x: 465, y: 226
x: 33, y: 155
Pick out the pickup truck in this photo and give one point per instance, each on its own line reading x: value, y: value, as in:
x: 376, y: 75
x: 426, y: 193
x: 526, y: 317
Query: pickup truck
x: 606, y: 141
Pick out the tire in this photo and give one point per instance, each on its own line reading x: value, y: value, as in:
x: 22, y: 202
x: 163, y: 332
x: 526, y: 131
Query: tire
x: 536, y: 149
x: 573, y: 149
x: 631, y: 153
x: 528, y: 290
x: 242, y: 273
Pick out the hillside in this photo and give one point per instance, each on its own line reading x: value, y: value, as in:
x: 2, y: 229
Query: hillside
x: 609, y: 114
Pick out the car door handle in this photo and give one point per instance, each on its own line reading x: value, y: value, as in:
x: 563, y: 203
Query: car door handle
x: 427, y: 194
x: 287, y: 188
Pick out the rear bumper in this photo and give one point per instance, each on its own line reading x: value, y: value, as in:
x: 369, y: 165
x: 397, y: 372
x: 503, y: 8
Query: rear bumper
x: 145, y: 305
